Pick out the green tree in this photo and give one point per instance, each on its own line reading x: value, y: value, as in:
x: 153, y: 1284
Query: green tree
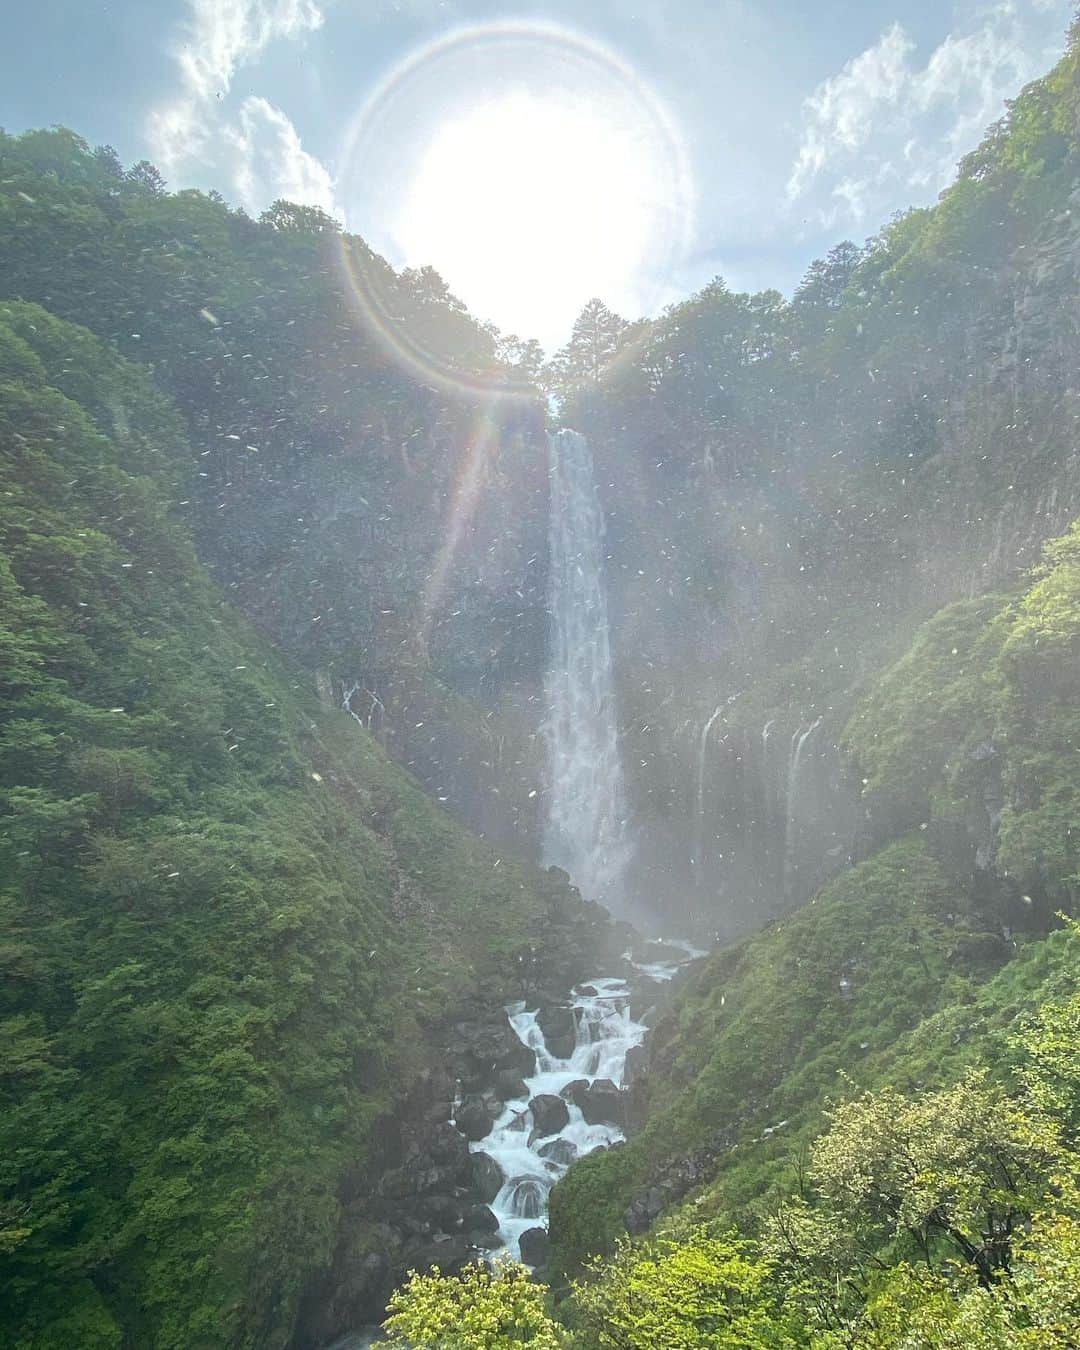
x: 479, y: 1309
x: 693, y: 1291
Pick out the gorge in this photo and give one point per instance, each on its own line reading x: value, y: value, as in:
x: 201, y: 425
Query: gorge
x: 616, y: 812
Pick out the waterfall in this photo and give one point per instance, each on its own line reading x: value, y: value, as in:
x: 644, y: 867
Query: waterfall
x: 530, y: 1162
x: 798, y: 743
x: 585, y: 831
x: 699, y: 833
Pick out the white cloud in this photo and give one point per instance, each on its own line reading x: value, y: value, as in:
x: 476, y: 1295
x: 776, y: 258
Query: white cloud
x: 886, y: 124
x: 269, y: 162
x: 258, y: 154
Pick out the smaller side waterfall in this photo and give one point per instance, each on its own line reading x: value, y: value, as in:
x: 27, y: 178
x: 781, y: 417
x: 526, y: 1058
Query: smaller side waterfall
x: 798, y: 744
x: 699, y: 821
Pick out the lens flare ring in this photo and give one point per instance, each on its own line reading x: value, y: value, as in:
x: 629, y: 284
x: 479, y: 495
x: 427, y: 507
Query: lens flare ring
x: 378, y: 295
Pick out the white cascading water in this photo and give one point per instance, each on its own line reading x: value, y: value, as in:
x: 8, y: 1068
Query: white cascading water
x: 798, y: 743
x: 699, y: 831
x: 605, y: 1032
x: 585, y: 831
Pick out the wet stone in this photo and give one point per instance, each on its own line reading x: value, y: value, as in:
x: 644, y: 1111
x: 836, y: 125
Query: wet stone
x: 603, y: 1103
x: 534, y: 1246
x: 549, y: 1114
x: 561, y: 1151
x: 474, y: 1118
x: 487, y: 1176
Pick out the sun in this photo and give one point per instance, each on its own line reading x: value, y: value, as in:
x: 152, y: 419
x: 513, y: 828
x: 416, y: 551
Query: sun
x: 530, y: 204
x: 531, y: 168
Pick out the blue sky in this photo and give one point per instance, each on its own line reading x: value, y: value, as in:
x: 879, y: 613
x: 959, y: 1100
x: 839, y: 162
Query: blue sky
x: 634, y: 149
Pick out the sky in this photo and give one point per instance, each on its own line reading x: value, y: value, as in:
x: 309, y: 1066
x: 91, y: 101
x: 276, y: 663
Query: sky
x: 538, y: 155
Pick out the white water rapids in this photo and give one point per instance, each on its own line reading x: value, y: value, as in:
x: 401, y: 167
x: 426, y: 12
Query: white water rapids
x: 605, y: 1032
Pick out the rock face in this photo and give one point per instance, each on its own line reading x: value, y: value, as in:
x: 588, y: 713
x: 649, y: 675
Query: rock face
x: 510, y: 1086
x: 476, y: 1115
x: 479, y: 1219
x: 534, y: 1246
x: 487, y: 1176
x: 549, y: 1114
x: 637, y: 1057
x: 573, y: 1092
x: 603, y: 1103
x: 482, y: 1050
x: 559, y: 1028
x: 560, y: 1151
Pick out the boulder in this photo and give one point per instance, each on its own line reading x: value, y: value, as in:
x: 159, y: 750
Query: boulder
x: 478, y: 1111
x: 560, y: 1151
x: 451, y: 1256
x: 479, y: 1219
x: 510, y: 1086
x: 483, y: 1050
x: 559, y: 1029
x: 443, y: 1212
x: 575, y: 1091
x: 487, y: 1176
x: 438, y: 1161
x: 634, y: 1066
x: 534, y: 1246
x: 549, y: 1114
x: 474, y: 1118
x: 603, y: 1104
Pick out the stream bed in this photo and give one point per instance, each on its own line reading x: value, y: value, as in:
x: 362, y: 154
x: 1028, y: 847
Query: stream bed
x: 573, y: 1103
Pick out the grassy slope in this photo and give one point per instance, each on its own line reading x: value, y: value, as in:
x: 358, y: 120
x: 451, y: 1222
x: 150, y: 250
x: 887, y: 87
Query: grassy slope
x: 898, y: 971
x: 228, y: 918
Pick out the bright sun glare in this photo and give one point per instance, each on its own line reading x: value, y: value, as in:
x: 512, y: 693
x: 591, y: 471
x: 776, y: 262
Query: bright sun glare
x: 531, y: 168
x: 529, y: 205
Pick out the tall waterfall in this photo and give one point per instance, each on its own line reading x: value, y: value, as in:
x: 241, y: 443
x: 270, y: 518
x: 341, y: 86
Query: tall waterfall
x: 586, y: 816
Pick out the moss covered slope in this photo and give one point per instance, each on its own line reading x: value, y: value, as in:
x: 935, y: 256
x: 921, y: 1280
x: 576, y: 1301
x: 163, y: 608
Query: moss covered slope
x: 228, y: 920
x: 905, y: 967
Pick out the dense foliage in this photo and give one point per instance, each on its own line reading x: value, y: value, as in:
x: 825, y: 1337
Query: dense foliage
x: 228, y: 921
x: 939, y: 1220
x: 227, y: 918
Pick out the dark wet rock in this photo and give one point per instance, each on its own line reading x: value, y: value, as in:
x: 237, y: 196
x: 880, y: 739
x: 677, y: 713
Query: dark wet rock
x: 451, y: 1256
x: 559, y: 1029
x: 444, y: 1213
x: 637, y: 1057
x: 549, y: 1114
x: 560, y: 1151
x: 588, y: 990
x: 479, y: 1219
x: 437, y: 1160
x: 510, y: 1086
x: 675, y: 1182
x: 603, y: 1103
x: 477, y: 1113
x: 573, y: 1092
x: 534, y: 1246
x: 480, y: 1050
x: 473, y: 1118
x: 487, y: 1176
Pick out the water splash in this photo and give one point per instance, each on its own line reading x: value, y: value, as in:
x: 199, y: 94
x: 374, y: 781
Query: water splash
x: 585, y: 832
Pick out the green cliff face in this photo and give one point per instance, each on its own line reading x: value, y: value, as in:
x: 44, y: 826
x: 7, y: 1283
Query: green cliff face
x: 231, y: 926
